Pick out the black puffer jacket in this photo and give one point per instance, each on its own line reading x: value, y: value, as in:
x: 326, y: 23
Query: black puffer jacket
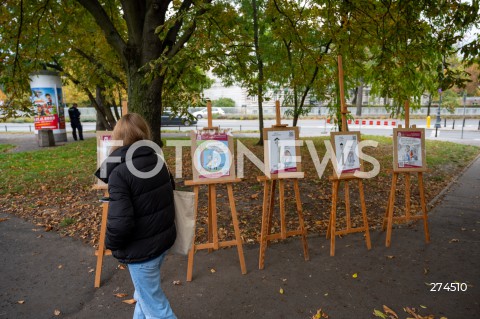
x: 141, y: 213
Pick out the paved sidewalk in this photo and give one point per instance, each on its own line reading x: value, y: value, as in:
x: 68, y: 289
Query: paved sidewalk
x: 51, y: 273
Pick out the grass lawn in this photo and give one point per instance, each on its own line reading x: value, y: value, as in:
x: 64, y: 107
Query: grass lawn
x: 5, y: 147
x: 53, y: 188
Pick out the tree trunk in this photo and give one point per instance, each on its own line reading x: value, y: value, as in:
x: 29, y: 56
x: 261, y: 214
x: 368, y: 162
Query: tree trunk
x: 429, y: 104
x: 296, y: 107
x: 106, y: 112
x: 146, y: 100
x: 359, y: 99
x: 354, y: 101
x: 260, y: 76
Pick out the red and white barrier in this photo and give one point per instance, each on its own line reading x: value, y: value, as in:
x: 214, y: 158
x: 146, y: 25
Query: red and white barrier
x: 362, y: 122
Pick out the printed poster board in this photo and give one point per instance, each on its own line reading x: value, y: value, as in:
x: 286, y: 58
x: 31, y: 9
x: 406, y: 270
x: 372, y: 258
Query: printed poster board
x: 345, y: 147
x: 103, y: 150
x: 48, y: 106
x: 280, y: 152
x: 409, y: 150
x: 212, y: 155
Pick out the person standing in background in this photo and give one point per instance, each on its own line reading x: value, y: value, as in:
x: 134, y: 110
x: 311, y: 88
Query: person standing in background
x: 74, y: 115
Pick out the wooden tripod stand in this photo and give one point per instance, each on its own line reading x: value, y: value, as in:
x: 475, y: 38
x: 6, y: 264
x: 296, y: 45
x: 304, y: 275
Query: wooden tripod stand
x: 101, y: 251
x: 419, y: 168
x: 268, y: 206
x: 211, y: 134
x: 213, y: 242
x: 274, y: 174
x: 389, y: 218
x: 332, y: 231
x: 346, y: 178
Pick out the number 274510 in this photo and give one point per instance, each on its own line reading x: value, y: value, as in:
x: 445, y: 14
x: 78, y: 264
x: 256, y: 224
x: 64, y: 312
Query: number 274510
x: 449, y: 286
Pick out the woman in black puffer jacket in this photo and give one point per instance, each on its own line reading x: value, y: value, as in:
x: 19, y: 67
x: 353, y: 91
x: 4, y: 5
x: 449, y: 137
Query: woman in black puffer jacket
x: 141, y: 213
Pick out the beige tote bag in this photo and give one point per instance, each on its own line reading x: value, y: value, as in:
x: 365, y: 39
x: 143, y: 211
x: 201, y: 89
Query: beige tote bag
x: 184, y: 222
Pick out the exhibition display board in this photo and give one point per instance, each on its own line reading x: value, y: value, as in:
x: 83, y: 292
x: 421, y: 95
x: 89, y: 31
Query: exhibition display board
x: 409, y: 156
x: 213, y: 164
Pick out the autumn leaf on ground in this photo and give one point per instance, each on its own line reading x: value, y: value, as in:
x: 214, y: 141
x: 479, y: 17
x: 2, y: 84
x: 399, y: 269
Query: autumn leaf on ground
x: 120, y: 295
x: 390, y: 257
x: 412, y: 311
x: 378, y: 313
x: 355, y: 275
x: 390, y: 311
x: 177, y: 282
x: 129, y: 301
x: 213, y: 271
x: 121, y: 267
x: 57, y: 312
x: 3, y: 219
x: 454, y: 240
x: 320, y: 314
x: 282, y: 291
x: 21, y: 302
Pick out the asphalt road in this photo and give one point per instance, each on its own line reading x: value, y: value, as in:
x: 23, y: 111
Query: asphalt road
x: 470, y: 135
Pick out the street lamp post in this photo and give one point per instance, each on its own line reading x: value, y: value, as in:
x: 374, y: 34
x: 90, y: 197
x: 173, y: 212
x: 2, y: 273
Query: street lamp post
x: 438, y: 121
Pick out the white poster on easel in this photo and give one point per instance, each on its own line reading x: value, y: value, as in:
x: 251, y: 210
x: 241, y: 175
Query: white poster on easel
x: 282, y: 151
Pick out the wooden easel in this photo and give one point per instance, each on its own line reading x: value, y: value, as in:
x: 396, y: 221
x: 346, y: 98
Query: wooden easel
x: 101, y: 251
x: 332, y: 231
x: 269, y: 186
x: 389, y: 219
x: 213, y: 240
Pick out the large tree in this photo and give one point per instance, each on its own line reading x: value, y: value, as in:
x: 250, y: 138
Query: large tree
x: 45, y: 35
x: 156, y: 31
x: 141, y: 42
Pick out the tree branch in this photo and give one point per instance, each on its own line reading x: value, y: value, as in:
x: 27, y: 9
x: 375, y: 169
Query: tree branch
x: 134, y: 15
x: 104, y: 22
x: 100, y: 67
x: 17, y: 46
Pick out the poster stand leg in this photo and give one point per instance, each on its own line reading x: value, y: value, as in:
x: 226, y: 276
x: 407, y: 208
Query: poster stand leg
x: 267, y: 212
x: 101, y: 251
x: 213, y: 240
x: 331, y: 230
x: 389, y: 218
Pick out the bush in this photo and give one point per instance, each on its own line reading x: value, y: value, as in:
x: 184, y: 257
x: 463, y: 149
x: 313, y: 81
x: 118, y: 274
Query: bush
x: 223, y: 102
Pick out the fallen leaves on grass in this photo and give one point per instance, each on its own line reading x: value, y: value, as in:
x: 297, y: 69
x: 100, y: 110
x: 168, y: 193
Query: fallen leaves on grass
x: 73, y: 199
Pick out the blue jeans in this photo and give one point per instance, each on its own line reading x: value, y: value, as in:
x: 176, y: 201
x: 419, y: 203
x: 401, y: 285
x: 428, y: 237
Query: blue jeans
x: 151, y: 301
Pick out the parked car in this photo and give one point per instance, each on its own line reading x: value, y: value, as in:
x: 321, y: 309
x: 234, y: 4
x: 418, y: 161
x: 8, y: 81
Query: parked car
x: 203, y: 113
x: 170, y: 119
